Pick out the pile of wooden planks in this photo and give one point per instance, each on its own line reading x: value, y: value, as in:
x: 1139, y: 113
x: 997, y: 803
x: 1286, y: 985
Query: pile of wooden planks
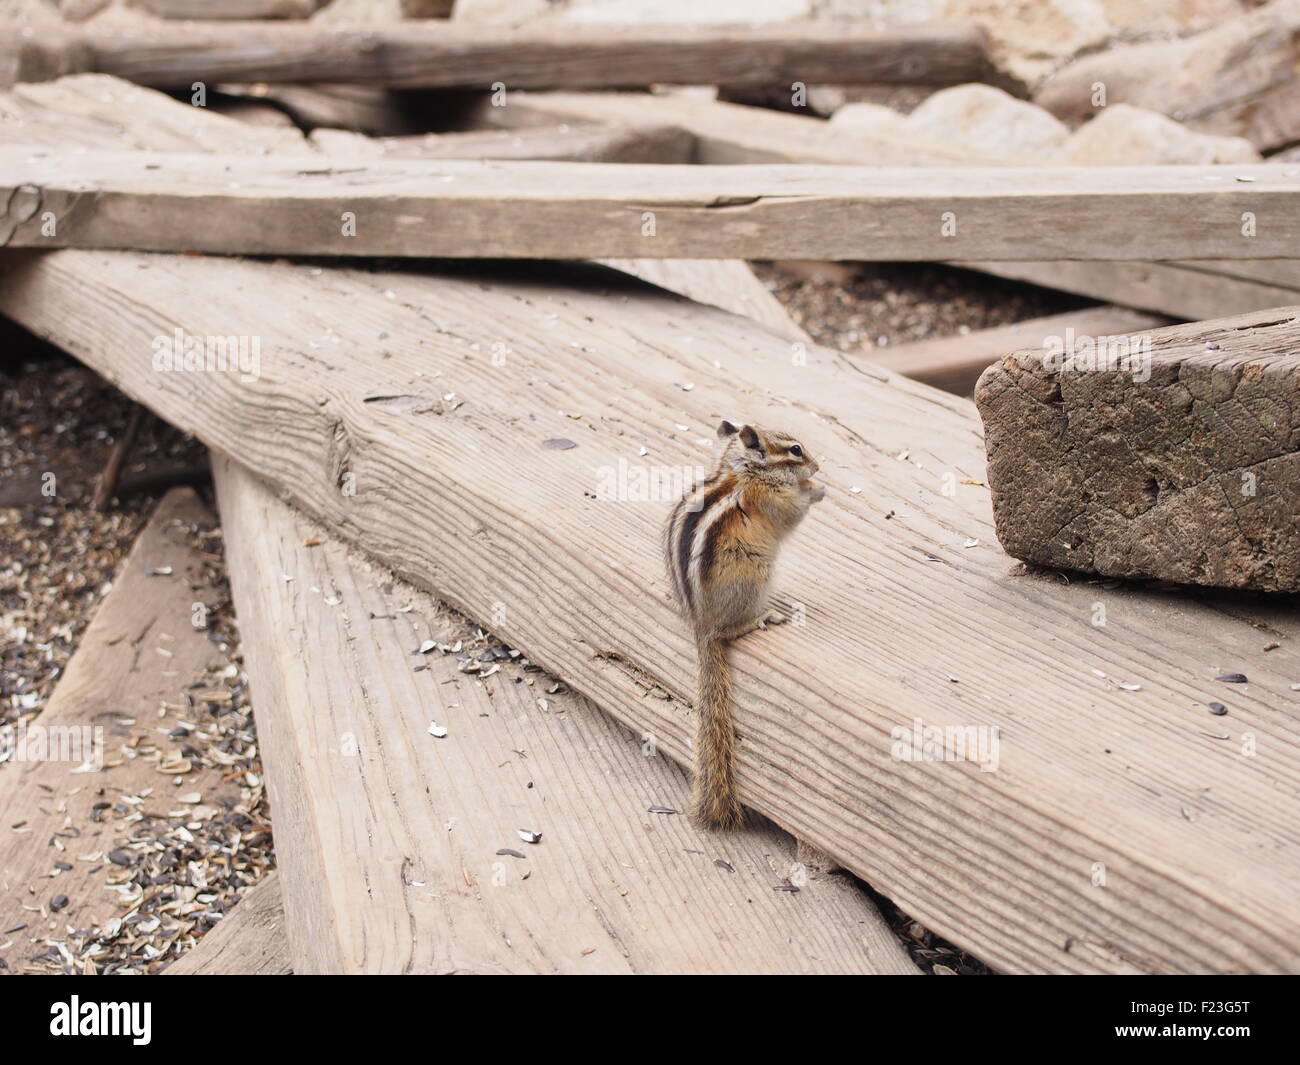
x: 410, y: 437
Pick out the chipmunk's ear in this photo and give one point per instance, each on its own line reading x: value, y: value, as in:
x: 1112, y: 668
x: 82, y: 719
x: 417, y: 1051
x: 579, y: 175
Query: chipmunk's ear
x: 726, y: 429
x: 749, y: 437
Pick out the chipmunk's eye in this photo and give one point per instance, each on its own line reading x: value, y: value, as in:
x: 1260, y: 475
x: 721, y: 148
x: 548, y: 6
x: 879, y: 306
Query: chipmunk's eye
x: 796, y: 451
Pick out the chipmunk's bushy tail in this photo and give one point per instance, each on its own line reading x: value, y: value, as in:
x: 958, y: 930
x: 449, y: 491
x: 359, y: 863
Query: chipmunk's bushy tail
x: 714, y: 802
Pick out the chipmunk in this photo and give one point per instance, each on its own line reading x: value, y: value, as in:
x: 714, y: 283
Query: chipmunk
x: 721, y: 542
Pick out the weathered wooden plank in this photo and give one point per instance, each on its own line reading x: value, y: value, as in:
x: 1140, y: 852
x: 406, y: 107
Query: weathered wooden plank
x: 954, y: 363
x: 580, y: 143
x: 230, y: 10
x: 1165, y: 288
x: 389, y: 841
x: 249, y: 941
x: 1171, y: 457
x: 430, y: 54
x: 425, y: 445
x: 539, y: 210
x: 731, y: 133
x: 98, y: 738
x: 727, y: 283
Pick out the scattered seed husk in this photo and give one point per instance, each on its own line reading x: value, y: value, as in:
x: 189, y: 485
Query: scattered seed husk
x: 558, y: 444
x: 662, y: 810
x: 529, y: 836
x: 1218, y: 709
x: 722, y: 863
x: 507, y: 852
x: 1233, y: 678
x: 437, y: 730
x: 158, y: 571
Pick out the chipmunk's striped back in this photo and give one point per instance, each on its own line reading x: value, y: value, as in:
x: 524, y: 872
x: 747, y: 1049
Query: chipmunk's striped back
x: 693, y: 525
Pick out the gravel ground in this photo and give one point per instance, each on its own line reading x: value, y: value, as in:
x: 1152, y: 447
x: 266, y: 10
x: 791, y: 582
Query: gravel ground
x: 857, y: 307
x: 177, y: 876
x: 58, y: 418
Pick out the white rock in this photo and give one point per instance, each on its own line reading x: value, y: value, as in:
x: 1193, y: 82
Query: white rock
x: 1132, y: 136
x: 987, y: 120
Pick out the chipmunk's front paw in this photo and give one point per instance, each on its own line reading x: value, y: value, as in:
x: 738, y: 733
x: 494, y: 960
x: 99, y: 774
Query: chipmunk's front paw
x: 816, y: 492
x: 769, y: 617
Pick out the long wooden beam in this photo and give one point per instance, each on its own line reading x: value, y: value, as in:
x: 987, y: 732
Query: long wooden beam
x: 728, y: 133
x: 430, y: 54
x: 400, y: 851
x: 539, y: 210
x: 1116, y: 834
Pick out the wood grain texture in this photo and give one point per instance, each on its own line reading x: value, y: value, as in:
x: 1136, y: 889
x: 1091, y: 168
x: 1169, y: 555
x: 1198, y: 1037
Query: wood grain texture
x: 540, y: 210
x: 430, y: 54
x: 731, y: 133
x: 249, y: 941
x: 126, y: 680
x: 954, y: 363
x: 389, y: 840
x: 394, y: 424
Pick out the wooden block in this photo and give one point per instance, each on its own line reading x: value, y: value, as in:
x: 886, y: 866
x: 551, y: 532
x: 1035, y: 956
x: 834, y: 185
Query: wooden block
x: 123, y: 690
x: 1176, y: 460
x: 537, y: 210
x: 400, y: 852
x: 954, y: 363
x: 434, y: 54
